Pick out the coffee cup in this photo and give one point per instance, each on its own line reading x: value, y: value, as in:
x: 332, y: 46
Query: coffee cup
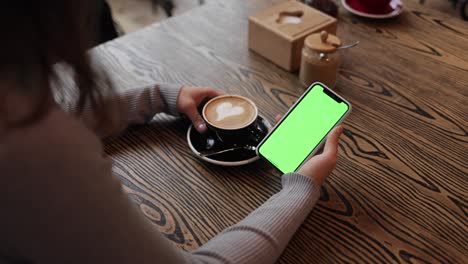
x: 232, y: 118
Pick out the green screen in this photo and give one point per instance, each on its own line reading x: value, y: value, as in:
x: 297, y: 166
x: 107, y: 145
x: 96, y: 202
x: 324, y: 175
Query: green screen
x: 302, y: 130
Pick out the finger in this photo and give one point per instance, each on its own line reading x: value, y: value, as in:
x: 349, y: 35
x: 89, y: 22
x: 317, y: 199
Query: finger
x: 211, y: 92
x: 197, y: 120
x: 278, y: 118
x: 331, y: 145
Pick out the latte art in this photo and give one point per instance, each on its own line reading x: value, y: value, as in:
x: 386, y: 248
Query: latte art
x: 230, y: 112
x: 226, y: 109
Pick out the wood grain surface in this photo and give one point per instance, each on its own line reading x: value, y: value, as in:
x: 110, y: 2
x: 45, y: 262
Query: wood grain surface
x: 399, y: 192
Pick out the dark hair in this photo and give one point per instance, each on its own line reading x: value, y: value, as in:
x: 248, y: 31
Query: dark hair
x: 38, y: 34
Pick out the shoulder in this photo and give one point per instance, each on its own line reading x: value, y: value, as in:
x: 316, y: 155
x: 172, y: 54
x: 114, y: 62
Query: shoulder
x: 55, y: 144
x: 51, y: 163
x: 56, y: 131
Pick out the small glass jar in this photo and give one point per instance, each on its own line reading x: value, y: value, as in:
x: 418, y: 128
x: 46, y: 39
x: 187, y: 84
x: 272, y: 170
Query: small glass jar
x: 320, y: 59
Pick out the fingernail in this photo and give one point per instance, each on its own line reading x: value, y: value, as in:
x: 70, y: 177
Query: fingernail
x: 201, y: 127
x: 340, y: 129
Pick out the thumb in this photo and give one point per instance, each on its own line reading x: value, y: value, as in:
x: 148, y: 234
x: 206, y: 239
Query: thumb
x: 331, y: 145
x: 197, y: 120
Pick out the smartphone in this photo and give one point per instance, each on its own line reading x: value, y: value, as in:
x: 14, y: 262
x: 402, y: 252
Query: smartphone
x: 303, y: 129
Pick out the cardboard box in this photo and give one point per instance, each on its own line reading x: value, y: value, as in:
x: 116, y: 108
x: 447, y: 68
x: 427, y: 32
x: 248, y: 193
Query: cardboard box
x: 278, y: 32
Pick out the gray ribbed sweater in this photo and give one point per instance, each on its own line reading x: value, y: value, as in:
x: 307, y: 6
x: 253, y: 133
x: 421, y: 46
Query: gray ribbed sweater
x: 60, y: 203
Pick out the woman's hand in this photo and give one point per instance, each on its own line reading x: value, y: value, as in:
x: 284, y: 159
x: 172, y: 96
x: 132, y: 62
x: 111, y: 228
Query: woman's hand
x: 321, y: 165
x: 188, y: 101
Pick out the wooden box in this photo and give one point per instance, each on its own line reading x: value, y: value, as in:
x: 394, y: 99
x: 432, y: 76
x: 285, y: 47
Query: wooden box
x: 278, y: 32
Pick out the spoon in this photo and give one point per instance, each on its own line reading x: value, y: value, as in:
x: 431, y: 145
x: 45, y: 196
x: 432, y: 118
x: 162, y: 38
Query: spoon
x: 215, y: 152
x: 324, y: 56
x: 349, y: 45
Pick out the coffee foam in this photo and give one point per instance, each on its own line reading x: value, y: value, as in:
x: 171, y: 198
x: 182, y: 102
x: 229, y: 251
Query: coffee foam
x: 230, y: 112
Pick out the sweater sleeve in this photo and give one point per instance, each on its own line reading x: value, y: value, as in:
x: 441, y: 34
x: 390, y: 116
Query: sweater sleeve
x: 263, y: 235
x: 64, y: 206
x: 129, y: 107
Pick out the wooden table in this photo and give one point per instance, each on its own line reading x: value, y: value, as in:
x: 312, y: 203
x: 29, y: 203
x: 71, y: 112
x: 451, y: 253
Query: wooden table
x: 399, y: 193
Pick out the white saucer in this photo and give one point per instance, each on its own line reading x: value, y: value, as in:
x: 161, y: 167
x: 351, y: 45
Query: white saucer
x: 397, y: 6
x: 222, y: 162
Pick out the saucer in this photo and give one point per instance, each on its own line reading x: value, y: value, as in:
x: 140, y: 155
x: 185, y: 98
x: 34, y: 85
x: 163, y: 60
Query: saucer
x: 395, y: 5
x: 198, y: 143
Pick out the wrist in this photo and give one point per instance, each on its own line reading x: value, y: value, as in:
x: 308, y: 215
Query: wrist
x: 299, y: 182
x: 170, y: 94
x: 300, y: 188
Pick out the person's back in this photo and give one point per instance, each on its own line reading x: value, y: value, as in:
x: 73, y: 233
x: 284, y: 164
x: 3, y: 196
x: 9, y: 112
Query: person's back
x: 58, y: 185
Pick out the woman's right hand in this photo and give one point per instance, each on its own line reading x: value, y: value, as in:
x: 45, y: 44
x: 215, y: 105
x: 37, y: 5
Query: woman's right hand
x: 321, y: 165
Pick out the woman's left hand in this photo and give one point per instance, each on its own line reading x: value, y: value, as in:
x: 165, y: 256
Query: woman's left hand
x: 188, y: 101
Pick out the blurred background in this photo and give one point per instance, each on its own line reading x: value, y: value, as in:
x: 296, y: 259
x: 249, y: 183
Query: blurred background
x: 131, y: 15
